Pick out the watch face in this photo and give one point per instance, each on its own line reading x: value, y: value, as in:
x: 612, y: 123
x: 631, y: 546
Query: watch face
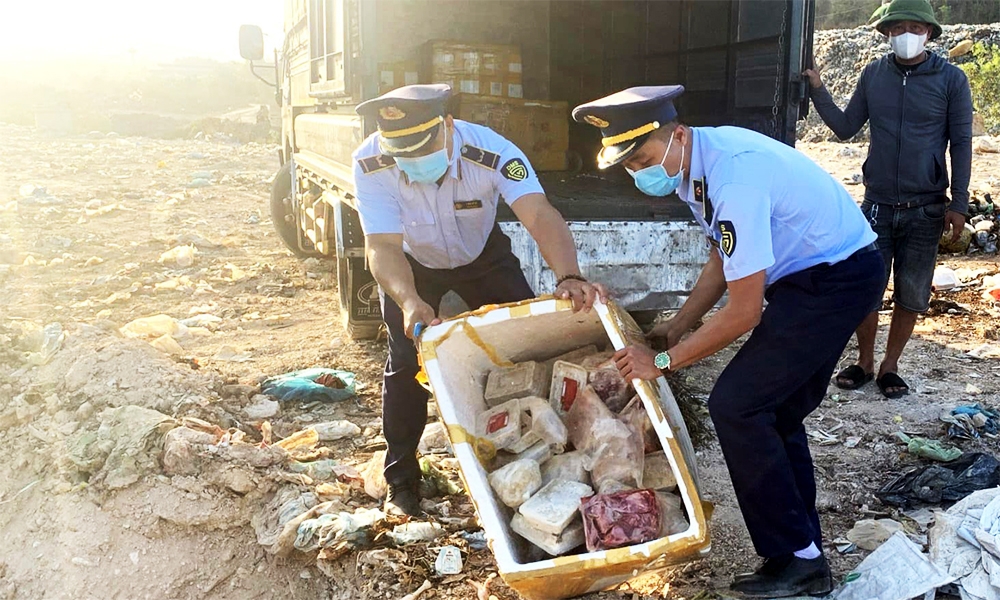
x: 662, y: 360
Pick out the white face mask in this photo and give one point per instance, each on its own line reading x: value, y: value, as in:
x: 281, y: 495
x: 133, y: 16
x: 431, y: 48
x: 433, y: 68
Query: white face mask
x: 908, y: 45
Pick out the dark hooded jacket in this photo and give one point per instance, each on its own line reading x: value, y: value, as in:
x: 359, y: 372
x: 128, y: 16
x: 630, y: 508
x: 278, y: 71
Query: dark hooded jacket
x: 913, y: 117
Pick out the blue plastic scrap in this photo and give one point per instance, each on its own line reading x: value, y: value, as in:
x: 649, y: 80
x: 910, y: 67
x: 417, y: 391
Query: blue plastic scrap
x: 316, y: 384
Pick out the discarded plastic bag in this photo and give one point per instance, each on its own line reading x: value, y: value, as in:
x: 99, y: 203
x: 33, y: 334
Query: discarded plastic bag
x: 897, y: 570
x: 932, y: 449
x: 335, y: 430
x: 444, y: 485
x: 942, y: 482
x: 415, y: 531
x: 154, y: 327
x: 325, y: 385
x: 52, y: 339
x: 374, y: 476
x: 869, y: 534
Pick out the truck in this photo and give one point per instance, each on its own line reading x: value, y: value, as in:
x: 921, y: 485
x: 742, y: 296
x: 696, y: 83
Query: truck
x: 739, y: 60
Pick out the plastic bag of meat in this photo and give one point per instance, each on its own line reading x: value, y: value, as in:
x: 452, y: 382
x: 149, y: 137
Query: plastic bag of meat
x: 609, y: 385
x: 587, y: 409
x: 635, y: 416
x: 672, y: 519
x: 622, y: 519
x: 617, y: 455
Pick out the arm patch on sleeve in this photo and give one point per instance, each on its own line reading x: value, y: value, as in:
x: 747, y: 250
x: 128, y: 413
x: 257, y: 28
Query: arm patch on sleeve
x: 728, y: 241
x: 515, y: 170
x: 376, y: 163
x: 483, y: 158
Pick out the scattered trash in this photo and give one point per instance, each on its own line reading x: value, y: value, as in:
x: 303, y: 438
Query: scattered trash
x: 896, y: 570
x: 154, y: 327
x: 442, y: 484
x: 415, y: 531
x: 987, y: 350
x: 963, y: 541
x: 869, y: 534
x: 476, y: 539
x: 449, y: 561
x: 335, y: 430
x: 51, y: 340
x: 944, y: 279
x: 326, y: 385
x: 261, y: 407
x: 372, y: 473
x: 167, y: 345
x: 180, y: 256
x: 972, y: 421
x: 932, y: 449
x: 229, y: 354
x: 943, y: 482
x: 426, y: 585
x: 435, y: 440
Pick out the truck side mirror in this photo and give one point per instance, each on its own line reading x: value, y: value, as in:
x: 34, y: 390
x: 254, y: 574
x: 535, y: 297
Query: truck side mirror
x: 251, y: 42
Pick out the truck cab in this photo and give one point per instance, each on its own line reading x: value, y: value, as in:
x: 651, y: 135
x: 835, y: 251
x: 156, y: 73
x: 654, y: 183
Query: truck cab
x: 739, y: 60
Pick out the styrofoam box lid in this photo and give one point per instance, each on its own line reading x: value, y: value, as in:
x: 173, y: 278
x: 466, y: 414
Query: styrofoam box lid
x: 458, y: 355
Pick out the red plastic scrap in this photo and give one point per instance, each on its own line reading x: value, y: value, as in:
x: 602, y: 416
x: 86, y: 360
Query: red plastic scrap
x: 620, y: 519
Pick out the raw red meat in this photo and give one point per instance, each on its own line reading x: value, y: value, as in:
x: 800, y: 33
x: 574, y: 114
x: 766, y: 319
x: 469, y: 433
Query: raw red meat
x: 620, y: 519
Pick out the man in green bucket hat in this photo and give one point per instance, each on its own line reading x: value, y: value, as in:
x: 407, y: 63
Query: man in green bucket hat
x: 917, y: 105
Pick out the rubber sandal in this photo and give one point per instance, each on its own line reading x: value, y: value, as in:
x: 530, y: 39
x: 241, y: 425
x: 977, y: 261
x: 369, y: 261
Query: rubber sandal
x: 892, y: 380
x: 855, y: 377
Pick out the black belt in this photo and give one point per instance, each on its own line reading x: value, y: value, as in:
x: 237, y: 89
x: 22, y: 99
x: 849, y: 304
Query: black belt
x: 872, y: 247
x: 914, y: 204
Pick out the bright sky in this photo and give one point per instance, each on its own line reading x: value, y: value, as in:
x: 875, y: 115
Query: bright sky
x: 157, y: 31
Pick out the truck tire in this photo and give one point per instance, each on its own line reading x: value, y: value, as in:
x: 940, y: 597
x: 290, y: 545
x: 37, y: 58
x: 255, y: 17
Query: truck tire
x: 282, y: 216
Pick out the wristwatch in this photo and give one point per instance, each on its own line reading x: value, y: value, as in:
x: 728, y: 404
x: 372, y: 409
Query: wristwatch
x: 662, y: 361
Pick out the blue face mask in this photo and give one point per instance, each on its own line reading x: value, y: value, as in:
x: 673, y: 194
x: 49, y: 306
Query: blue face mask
x: 425, y: 169
x: 654, y: 181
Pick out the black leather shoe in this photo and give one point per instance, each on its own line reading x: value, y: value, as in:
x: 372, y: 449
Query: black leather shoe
x: 403, y: 499
x: 785, y: 577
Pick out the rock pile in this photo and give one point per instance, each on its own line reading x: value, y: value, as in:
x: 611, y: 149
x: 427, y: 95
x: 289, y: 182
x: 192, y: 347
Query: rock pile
x: 841, y: 54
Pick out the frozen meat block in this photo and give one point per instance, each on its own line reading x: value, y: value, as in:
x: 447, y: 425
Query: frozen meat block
x: 597, y: 359
x: 622, y: 519
x: 657, y: 474
x: 571, y: 466
x: 672, y: 519
x: 540, y: 453
x: 555, y: 505
x: 521, y: 380
x: 554, y: 545
x: 586, y: 410
x: 501, y: 425
x: 573, y: 356
x: 568, y: 380
x: 516, y: 482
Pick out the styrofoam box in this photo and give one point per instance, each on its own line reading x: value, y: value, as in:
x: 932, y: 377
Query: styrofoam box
x: 459, y: 354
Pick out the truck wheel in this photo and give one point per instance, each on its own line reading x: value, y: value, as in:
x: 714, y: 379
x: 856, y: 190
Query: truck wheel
x: 282, y: 216
x: 356, y: 328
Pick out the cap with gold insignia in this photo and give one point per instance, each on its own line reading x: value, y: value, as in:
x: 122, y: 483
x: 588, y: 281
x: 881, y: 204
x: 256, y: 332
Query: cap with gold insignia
x: 408, y: 117
x: 626, y: 118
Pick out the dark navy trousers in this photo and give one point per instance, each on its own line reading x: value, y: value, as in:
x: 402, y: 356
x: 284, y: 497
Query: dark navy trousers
x: 494, y: 277
x: 777, y: 378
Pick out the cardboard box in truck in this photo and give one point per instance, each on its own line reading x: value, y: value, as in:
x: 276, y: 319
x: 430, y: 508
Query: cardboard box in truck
x: 539, y: 128
x: 397, y: 74
x: 486, y: 69
x: 458, y: 356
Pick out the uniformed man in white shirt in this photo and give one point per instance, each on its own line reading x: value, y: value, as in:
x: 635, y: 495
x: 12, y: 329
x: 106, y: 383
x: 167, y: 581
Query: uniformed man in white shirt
x: 427, y: 188
x: 783, y: 230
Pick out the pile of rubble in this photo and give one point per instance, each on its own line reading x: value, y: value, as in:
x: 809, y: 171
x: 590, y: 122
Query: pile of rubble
x: 841, y: 54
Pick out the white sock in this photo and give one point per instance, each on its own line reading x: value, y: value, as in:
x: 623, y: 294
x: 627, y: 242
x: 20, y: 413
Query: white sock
x: 809, y: 552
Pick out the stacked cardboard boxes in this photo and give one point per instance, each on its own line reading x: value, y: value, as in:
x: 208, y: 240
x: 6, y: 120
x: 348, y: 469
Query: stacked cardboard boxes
x: 539, y: 128
x: 482, y: 69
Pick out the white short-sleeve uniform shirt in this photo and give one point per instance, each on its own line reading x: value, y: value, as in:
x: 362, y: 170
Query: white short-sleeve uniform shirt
x: 444, y: 226
x: 768, y: 207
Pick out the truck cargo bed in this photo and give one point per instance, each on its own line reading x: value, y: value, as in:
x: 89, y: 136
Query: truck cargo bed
x: 603, y: 197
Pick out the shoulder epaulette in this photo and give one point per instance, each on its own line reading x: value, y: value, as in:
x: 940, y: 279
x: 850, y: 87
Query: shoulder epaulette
x: 483, y: 158
x: 376, y: 163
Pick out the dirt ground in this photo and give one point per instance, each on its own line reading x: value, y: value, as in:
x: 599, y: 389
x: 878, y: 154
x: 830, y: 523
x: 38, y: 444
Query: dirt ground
x: 85, y: 252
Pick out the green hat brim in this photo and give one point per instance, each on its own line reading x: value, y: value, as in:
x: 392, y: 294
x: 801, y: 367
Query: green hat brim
x: 883, y: 23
